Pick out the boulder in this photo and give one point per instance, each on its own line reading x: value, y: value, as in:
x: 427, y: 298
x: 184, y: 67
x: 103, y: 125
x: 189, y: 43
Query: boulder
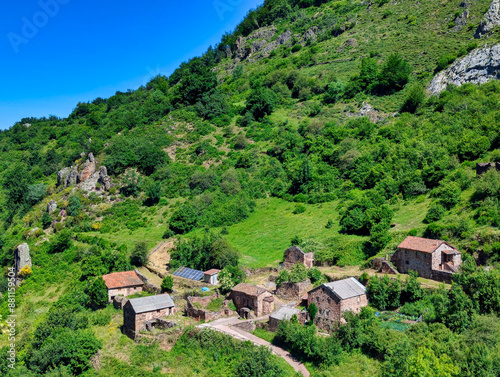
x: 22, y: 258
x: 52, y: 206
x: 490, y: 20
x: 478, y: 67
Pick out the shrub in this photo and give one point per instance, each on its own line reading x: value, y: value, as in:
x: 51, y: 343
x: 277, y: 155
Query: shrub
x: 25, y: 272
x: 444, y: 61
x: 258, y: 362
x: 435, y: 213
x: 61, y: 242
x: 46, y: 220
x: 335, y: 92
x: 296, y: 48
x: 329, y: 224
x: 167, y: 284
x: 299, y: 208
x: 414, y: 99
x: 74, y: 205
x: 394, y: 74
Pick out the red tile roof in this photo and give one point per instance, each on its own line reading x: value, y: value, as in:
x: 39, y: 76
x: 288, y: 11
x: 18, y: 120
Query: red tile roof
x: 424, y: 245
x: 213, y: 271
x: 122, y: 279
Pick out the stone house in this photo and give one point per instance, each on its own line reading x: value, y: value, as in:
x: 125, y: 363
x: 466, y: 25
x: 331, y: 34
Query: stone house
x: 431, y: 259
x: 335, y: 298
x: 294, y: 255
x: 285, y: 313
x: 137, y: 312
x: 210, y: 276
x: 248, y: 297
x: 123, y: 283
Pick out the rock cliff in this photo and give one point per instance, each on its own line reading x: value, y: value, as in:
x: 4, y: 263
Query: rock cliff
x: 490, y: 20
x: 85, y: 176
x: 478, y: 67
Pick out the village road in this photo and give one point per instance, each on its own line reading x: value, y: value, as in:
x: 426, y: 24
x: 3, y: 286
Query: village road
x: 224, y: 325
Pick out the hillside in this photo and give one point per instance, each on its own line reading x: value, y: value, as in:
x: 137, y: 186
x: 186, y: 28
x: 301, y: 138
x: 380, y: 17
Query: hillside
x: 309, y: 123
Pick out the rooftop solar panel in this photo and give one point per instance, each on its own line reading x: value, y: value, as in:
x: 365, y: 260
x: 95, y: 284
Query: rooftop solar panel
x: 189, y: 273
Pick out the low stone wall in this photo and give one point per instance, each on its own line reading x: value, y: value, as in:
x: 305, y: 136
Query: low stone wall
x: 248, y: 326
x: 148, y: 287
x: 387, y: 268
x: 119, y: 302
x: 442, y: 276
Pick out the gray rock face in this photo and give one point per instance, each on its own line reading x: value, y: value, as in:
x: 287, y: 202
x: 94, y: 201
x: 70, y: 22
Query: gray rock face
x: 258, y: 45
x: 52, y: 206
x: 67, y: 177
x: 490, y: 20
x: 478, y: 67
x: 22, y: 258
x: 104, y: 179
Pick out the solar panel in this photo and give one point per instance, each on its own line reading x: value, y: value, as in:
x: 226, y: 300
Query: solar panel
x: 189, y: 273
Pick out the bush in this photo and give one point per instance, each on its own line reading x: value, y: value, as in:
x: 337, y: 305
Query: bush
x: 394, y: 74
x: 435, y: 213
x: 167, y: 284
x: 258, y: 362
x: 61, y: 242
x: 444, y: 61
x: 299, y: 208
x: 296, y: 48
x: 335, y: 92
x: 74, y: 205
x: 46, y: 220
x: 414, y: 99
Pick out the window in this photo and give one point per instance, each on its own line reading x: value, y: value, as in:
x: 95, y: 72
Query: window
x: 407, y: 262
x: 406, y: 252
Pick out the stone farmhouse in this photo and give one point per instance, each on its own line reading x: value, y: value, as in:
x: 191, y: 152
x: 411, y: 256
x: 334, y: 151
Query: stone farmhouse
x: 431, y: 259
x: 335, y: 298
x: 137, y: 312
x: 123, y: 283
x: 294, y: 255
x: 248, y: 297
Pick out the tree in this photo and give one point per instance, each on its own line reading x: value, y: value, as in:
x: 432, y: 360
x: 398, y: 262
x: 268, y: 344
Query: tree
x: 261, y: 102
x: 36, y: 193
x: 61, y: 242
x: 140, y: 254
x: 425, y: 363
x: 74, y: 205
x: 167, y: 283
x: 16, y: 181
x: 154, y: 192
x: 98, y: 292
x: 394, y: 74
x: 312, y: 309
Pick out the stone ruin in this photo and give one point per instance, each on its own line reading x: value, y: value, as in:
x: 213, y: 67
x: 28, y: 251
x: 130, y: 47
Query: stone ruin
x: 196, y: 308
x: 86, y: 176
x: 483, y: 167
x: 293, y: 291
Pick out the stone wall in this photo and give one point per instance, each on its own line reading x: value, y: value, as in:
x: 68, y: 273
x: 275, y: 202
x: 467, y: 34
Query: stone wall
x: 353, y: 304
x: 410, y: 260
x: 328, y: 308
x: 294, y: 255
x: 293, y: 291
x: 127, y: 291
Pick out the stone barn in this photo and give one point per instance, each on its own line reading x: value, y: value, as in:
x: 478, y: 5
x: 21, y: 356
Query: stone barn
x: 210, y: 276
x: 248, y: 297
x: 123, y: 283
x: 431, y: 259
x: 335, y: 298
x: 137, y: 312
x: 294, y: 255
x: 285, y: 313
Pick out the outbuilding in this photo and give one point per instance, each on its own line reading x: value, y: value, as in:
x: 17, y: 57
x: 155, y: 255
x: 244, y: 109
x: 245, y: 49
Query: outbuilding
x: 138, y: 311
x: 248, y: 297
x: 285, y: 313
x: 211, y: 276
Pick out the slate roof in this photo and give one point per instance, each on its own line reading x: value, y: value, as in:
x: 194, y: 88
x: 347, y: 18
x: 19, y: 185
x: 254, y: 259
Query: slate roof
x: 122, y: 280
x: 250, y: 290
x: 284, y: 313
x: 151, y: 303
x: 424, y: 245
x: 211, y: 272
x: 346, y: 288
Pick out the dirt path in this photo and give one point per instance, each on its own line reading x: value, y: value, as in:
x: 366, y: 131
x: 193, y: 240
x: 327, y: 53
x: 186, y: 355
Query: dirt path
x: 224, y: 325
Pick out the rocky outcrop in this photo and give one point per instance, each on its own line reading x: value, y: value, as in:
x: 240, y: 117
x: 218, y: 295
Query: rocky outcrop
x: 259, y: 44
x: 86, y: 176
x: 490, y: 20
x: 22, y: 258
x: 478, y: 67
x: 88, y: 168
x: 51, y: 207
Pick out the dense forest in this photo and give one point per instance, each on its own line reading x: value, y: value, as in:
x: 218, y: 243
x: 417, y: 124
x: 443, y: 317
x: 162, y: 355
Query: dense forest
x: 314, y: 108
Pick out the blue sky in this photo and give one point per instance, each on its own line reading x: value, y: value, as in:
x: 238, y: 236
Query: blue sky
x: 55, y: 53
